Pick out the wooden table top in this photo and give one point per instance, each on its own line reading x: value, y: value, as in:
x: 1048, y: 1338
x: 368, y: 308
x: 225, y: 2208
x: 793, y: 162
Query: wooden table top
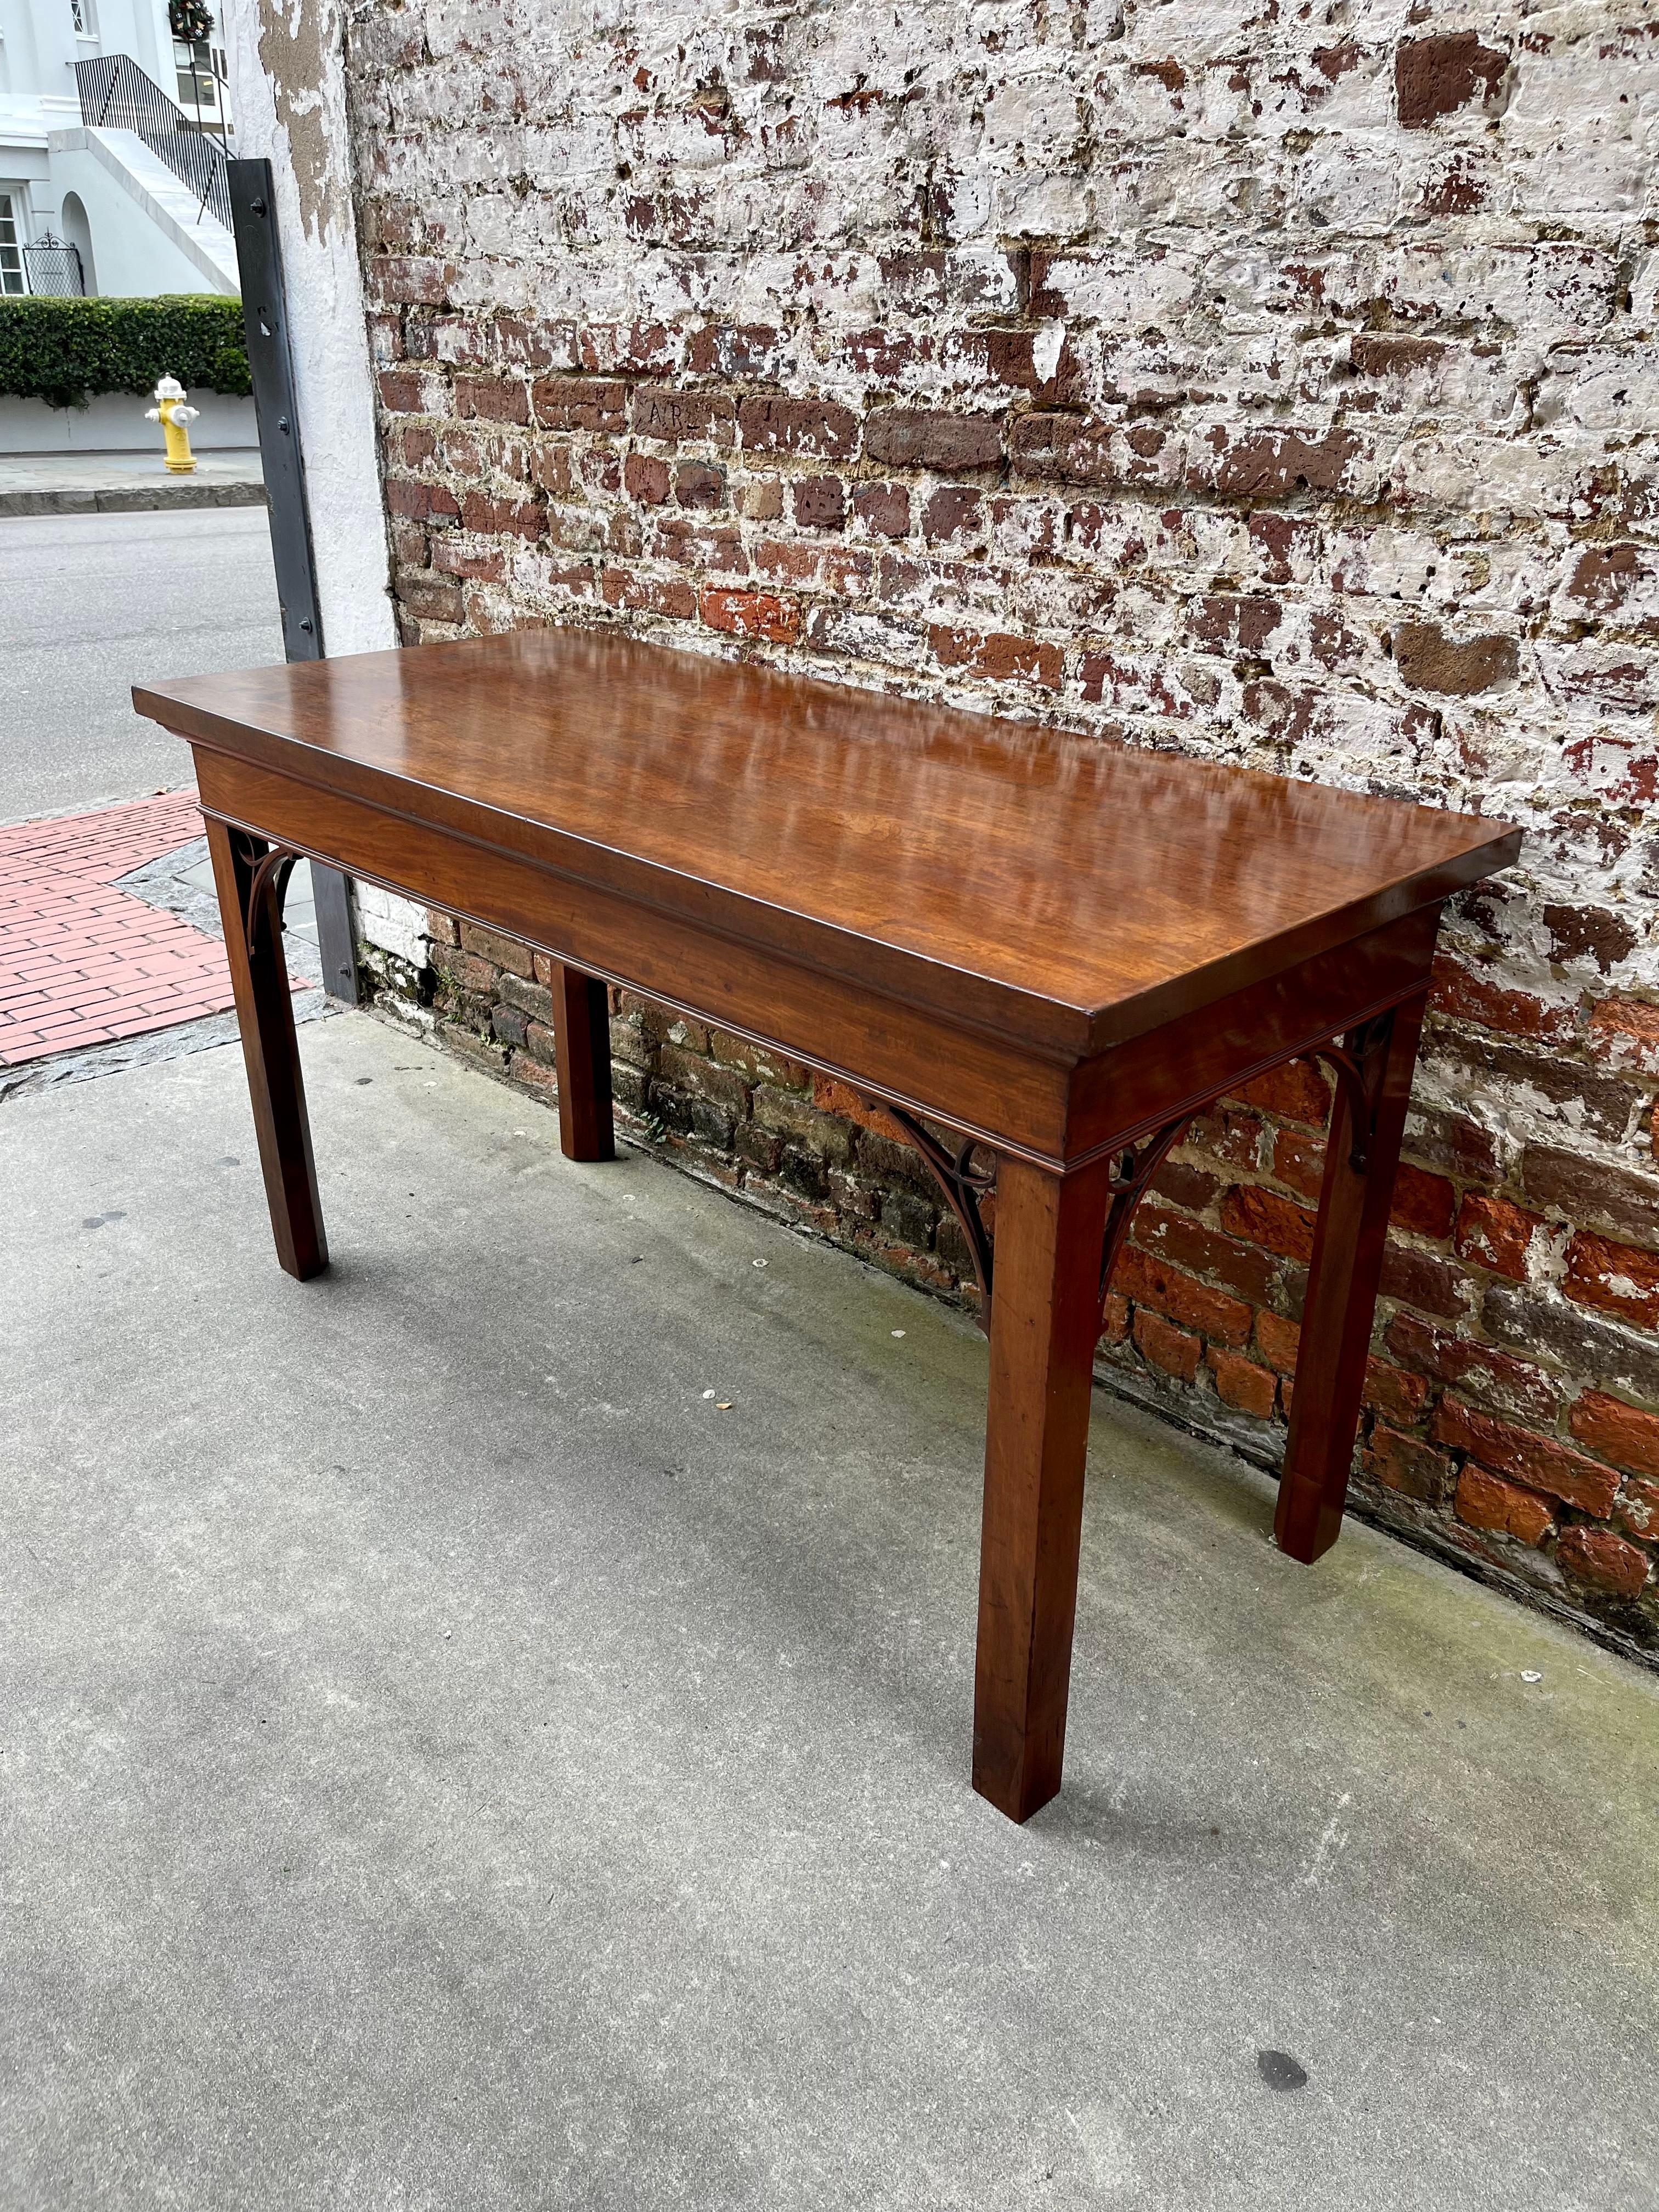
x: 1068, y: 875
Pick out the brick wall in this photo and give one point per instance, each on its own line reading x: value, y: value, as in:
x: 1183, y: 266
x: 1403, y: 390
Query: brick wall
x: 1273, y: 385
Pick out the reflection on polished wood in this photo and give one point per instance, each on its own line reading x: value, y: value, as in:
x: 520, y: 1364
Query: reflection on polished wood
x: 1058, y: 948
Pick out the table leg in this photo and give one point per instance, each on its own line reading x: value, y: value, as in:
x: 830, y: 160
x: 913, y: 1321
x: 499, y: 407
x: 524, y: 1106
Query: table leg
x: 581, y: 1041
x: 1348, y: 1261
x: 1045, y: 1318
x: 251, y: 908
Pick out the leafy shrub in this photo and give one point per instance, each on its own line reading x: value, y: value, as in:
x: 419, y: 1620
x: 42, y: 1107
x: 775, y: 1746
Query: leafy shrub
x: 63, y: 350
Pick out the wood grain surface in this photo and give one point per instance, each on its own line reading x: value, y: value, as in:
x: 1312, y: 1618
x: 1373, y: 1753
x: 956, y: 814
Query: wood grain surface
x: 1057, y: 888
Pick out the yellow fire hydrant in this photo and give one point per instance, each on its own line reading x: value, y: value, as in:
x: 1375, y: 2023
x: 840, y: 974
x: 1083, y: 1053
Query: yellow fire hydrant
x: 172, y: 415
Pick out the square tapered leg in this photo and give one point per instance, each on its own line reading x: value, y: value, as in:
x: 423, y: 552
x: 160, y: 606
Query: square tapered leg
x: 581, y: 1037
x: 1347, y: 1264
x: 250, y: 906
x: 1045, y: 1319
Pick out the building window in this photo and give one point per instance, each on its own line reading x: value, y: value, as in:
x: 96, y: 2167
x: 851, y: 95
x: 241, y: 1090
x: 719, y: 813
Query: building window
x: 204, y: 76
x: 11, y: 256
x: 84, y: 16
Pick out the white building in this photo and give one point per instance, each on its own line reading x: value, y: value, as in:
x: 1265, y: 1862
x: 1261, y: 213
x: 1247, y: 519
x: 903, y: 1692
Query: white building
x: 111, y: 131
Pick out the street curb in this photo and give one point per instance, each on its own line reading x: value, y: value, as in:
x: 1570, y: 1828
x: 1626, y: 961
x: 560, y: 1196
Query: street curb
x: 131, y: 499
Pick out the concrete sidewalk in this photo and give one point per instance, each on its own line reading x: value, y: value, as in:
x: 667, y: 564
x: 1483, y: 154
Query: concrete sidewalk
x: 127, y: 483
x: 451, y: 1759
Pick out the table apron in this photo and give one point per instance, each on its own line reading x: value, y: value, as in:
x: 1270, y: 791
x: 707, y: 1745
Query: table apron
x: 1000, y: 1092
x: 1060, y: 1116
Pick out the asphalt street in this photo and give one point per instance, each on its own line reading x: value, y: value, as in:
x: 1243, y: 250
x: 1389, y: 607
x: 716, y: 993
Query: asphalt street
x: 96, y: 603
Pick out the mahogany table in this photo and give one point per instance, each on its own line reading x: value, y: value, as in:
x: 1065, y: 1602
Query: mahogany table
x: 1056, y: 950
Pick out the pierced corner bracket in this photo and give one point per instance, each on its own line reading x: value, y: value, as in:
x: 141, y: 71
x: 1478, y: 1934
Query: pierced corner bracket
x: 965, y: 1187
x: 263, y: 872
x: 1134, y: 1167
x: 1359, y: 1063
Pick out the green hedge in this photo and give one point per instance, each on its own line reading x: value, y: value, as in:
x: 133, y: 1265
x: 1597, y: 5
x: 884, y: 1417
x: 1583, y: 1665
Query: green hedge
x: 63, y: 350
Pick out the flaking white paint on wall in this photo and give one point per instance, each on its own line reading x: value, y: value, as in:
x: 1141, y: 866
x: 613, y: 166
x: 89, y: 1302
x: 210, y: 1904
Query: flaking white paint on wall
x: 327, y: 331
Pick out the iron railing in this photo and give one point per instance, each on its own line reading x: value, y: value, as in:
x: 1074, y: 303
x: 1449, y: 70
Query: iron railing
x: 117, y: 95
x: 54, y: 267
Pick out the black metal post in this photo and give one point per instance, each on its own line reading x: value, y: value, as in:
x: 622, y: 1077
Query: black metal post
x: 264, y: 314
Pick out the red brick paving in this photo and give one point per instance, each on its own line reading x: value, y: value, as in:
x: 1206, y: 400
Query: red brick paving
x: 81, y: 962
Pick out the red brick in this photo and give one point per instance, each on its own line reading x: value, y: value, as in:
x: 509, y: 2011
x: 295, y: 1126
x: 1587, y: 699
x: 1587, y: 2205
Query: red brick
x: 1486, y: 1501
x: 1424, y: 1203
x: 752, y: 614
x: 1232, y: 1137
x: 1596, y: 1555
x: 410, y: 280
x: 1241, y: 1383
x: 491, y: 400
x: 652, y: 595
x: 1405, y: 1464
x: 1297, y: 1090
x: 1592, y: 1191
x: 835, y: 1097
x: 1539, y: 1461
x: 496, y: 947
x: 1390, y: 1390
x: 1262, y: 1216
x: 1624, y: 1033
x: 421, y: 502
x: 1436, y: 75
x: 884, y: 508
x: 1186, y: 1184
x: 431, y: 598
x: 1244, y: 1268
x: 1279, y: 1340
x: 673, y: 418
x: 1114, y: 1320
x: 952, y: 511
x: 1620, y: 1279
x: 1460, y: 1147
x: 409, y: 445
x: 581, y: 403
x: 1421, y: 1280
x: 1463, y: 995
x: 1615, y: 1431
x: 646, y: 478
x: 819, y: 427
x: 1638, y: 1509
x: 1148, y: 1282
x: 1496, y: 1234
x: 1299, y: 1160
x: 922, y: 438
x: 402, y: 391
x: 821, y: 502
x: 1166, y: 1347
x: 997, y: 654
x: 1274, y: 465
x: 1508, y: 1385
x: 512, y: 518
x: 695, y: 484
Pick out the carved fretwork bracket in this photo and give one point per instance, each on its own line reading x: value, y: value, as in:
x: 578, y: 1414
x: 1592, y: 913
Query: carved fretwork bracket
x: 262, y: 873
x: 964, y: 1184
x: 1132, y: 1170
x: 1359, y: 1063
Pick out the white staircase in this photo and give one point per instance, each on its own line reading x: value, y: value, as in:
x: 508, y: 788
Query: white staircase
x: 118, y: 177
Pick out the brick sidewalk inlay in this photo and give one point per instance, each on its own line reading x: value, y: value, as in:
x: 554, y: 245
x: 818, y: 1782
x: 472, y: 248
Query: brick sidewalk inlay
x: 82, y: 963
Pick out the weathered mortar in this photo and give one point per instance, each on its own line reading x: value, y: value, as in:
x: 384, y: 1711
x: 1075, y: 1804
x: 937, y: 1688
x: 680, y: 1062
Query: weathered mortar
x: 1277, y: 390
